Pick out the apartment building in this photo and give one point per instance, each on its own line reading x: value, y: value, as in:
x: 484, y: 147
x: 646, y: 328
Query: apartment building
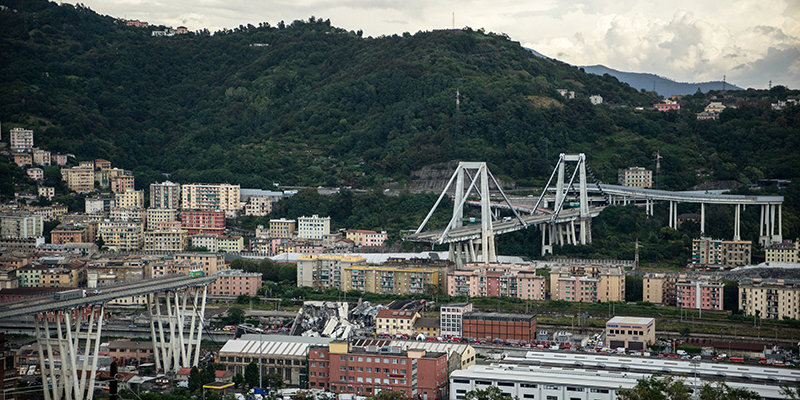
x: 122, y: 184
x: 699, y: 294
x: 123, y: 236
x: 59, y: 159
x: 41, y: 157
x: 451, y: 317
x: 313, y: 227
x: 637, y: 177
x: 487, y: 280
x: 324, y: 271
x: 127, y: 214
x: 203, y: 221
x: 22, y: 159
x: 205, y: 240
x: 610, y: 284
x: 129, y: 199
x: 389, y: 280
x: 230, y: 244
x: 20, y: 140
x: 258, y: 206
x: 63, y: 276
x: 154, y: 215
x: 47, y: 192
x: 659, y: 288
x: 210, y: 263
x: 396, y: 322
x: 79, y: 179
x: 282, y: 228
x: 770, y: 298
x: 785, y: 252
x: 166, y: 240
x: 21, y: 225
x: 166, y: 195
x: 723, y: 253
x: 577, y: 288
x: 94, y: 205
x: 69, y: 234
x: 224, y: 197
x: 235, y: 282
x: 364, y: 371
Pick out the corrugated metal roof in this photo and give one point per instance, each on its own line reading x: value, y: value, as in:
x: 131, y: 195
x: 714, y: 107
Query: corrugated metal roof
x: 274, y: 348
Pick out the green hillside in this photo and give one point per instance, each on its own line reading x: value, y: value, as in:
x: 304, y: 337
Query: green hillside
x: 318, y: 105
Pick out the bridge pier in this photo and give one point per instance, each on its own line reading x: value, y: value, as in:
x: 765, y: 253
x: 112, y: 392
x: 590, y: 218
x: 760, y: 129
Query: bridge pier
x: 170, y: 349
x: 64, y: 381
x: 767, y: 235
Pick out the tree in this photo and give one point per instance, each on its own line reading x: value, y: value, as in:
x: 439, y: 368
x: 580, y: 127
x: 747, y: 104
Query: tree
x: 251, y: 375
x: 274, y: 381
x: 721, y: 391
x: 791, y: 394
x: 235, y: 315
x: 238, y: 380
x: 490, y: 393
x: 389, y: 395
x: 195, y: 379
x: 655, y: 388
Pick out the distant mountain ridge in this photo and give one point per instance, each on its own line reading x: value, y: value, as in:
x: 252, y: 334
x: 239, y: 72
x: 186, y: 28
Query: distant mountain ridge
x: 663, y: 86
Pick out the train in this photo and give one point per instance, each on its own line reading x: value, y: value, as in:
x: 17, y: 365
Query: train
x: 69, y: 294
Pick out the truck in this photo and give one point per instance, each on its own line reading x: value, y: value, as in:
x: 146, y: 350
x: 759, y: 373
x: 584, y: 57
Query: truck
x: 69, y: 294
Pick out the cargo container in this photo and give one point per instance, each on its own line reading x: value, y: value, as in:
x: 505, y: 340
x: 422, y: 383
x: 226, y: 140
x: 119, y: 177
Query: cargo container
x: 69, y: 294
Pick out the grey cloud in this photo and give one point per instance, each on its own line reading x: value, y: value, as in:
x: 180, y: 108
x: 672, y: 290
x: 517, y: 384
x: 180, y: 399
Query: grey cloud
x: 782, y: 67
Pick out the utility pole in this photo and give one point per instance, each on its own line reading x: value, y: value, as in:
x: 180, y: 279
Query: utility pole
x: 458, y: 114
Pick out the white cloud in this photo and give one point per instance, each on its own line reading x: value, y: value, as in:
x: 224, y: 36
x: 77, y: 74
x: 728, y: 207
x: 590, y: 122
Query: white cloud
x: 685, y: 40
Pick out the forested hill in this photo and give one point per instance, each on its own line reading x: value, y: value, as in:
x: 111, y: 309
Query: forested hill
x: 311, y: 104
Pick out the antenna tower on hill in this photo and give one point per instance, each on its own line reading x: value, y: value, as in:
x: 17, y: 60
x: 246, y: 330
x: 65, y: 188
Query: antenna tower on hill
x: 658, y: 168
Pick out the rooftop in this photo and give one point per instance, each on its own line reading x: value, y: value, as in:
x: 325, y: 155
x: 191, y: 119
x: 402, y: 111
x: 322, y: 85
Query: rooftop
x: 630, y: 320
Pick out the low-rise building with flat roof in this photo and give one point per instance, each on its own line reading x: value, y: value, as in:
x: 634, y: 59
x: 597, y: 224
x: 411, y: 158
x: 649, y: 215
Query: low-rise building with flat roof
x: 632, y: 333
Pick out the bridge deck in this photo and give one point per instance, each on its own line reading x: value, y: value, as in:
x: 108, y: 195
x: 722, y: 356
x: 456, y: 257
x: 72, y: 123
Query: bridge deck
x: 686, y: 196
x: 468, y: 232
x: 46, y: 303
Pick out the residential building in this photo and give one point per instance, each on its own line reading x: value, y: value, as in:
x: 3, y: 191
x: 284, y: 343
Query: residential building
x: 596, y: 99
x: 235, y: 282
x: 102, y: 165
x: 122, y: 351
x: 122, y: 184
x: 491, y: 326
x: 230, y: 244
x: 123, y: 236
x: 485, y: 280
x: 364, y: 371
x: 20, y: 140
x: 203, y: 221
x: 154, y: 215
x: 127, y: 214
x: 47, y: 192
x: 770, y: 298
x: 79, y: 179
x: 164, y: 225
x: 210, y: 263
x: 632, y: 333
x: 313, y: 227
x: 784, y: 252
x: 181, y: 30
x: 258, y: 206
x: 698, y: 294
x: 25, y: 245
x: 130, y: 199
x: 36, y: 174
x: 390, y: 280
x: 637, y: 177
x: 95, y: 205
x: 451, y: 316
x: 667, y: 105
x: 724, y: 253
x: 165, y: 195
x: 68, y: 234
x: 428, y: 327
x: 396, y: 322
x: 324, y: 271
x: 282, y: 228
x: 68, y: 276
x: 166, y: 240
x: 41, y: 157
x: 22, y: 159
x: 224, y: 197
x: 659, y: 288
x: 21, y: 225
x: 59, y: 159
x: 205, y: 240
x: 609, y: 282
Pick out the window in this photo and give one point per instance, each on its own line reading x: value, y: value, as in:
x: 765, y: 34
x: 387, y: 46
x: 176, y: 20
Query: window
x: 528, y: 396
x: 595, y: 390
x: 312, y: 373
x: 488, y: 383
x: 505, y: 384
x: 551, y: 387
x: 369, y: 380
x: 351, y: 368
x: 552, y: 397
x: 360, y: 379
x: 466, y: 381
x: 351, y: 378
x: 313, y: 364
x: 342, y: 358
x: 574, y: 389
x: 342, y: 368
x: 528, y: 385
x: 394, y: 371
x: 360, y: 358
x: 369, y: 369
x: 360, y: 369
x: 352, y: 358
x: 402, y: 362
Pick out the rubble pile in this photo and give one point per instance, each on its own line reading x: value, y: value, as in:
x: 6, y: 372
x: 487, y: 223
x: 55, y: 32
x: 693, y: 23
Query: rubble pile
x: 333, y: 319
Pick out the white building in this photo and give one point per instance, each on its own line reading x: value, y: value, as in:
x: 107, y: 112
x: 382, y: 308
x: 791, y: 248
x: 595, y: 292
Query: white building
x: 20, y: 140
x: 223, y: 197
x: 207, y: 240
x: 313, y: 227
x: 596, y: 99
x: 451, y: 318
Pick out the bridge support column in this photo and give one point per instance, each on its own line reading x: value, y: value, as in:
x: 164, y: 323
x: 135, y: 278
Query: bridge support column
x: 703, y: 219
x: 171, y: 350
x: 736, y: 222
x: 671, y: 212
x: 64, y: 382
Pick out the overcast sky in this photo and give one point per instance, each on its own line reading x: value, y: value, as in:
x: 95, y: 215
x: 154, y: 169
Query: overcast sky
x: 749, y: 41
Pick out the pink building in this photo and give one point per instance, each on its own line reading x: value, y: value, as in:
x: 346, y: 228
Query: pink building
x: 699, y: 295
x: 59, y: 159
x: 372, y: 238
x: 577, y: 288
x: 496, y: 280
x: 234, y: 282
x: 666, y: 106
x: 203, y: 221
x: 36, y: 173
x: 23, y: 159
